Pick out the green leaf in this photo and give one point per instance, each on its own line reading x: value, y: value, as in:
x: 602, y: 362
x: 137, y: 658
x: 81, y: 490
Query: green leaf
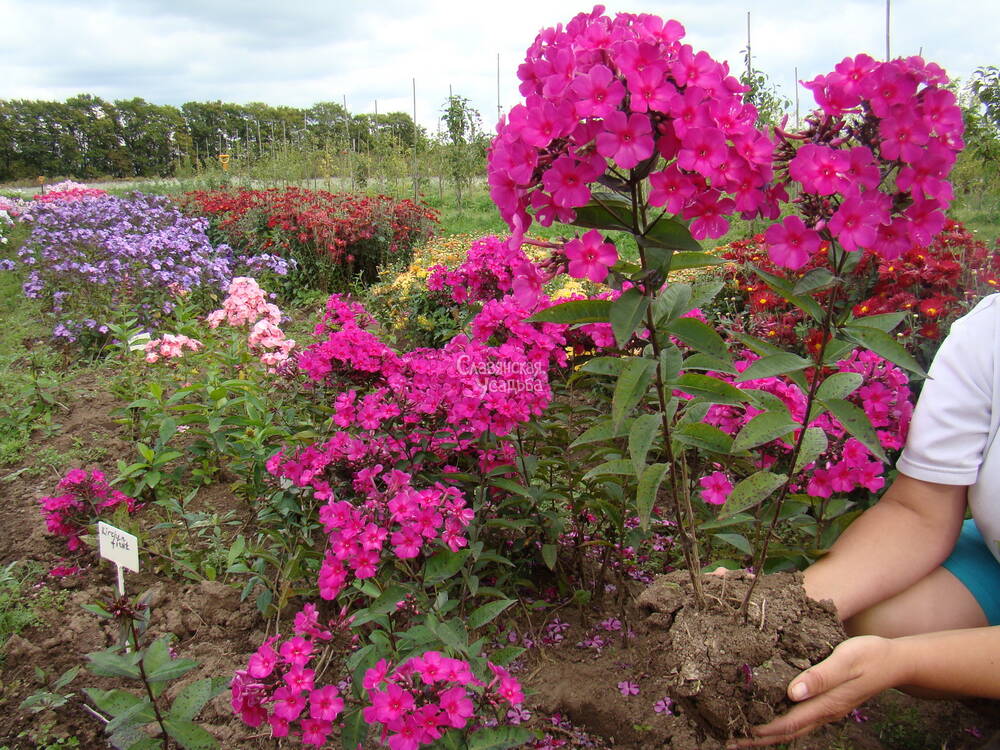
x: 574, y: 312
x: 641, y: 437
x: 705, y: 436
x: 736, y: 540
x: 110, y: 664
x: 774, y: 364
x: 605, y: 210
x: 856, y: 422
x: 671, y: 234
x: 645, y: 496
x: 671, y: 361
x: 816, y: 279
x: 444, y: 564
x: 171, y: 671
x: 603, y: 430
x: 114, y: 702
x: 763, y: 428
x: 506, y: 655
x: 168, y: 428
x: 704, y: 292
x: 708, y: 363
x: 814, y: 443
x: 619, y: 467
x: 509, y: 485
x: 671, y: 303
x: 700, y: 337
x: 354, y: 732
x: 710, y: 388
x: 487, y: 613
x: 684, y: 260
x: 136, y: 715
x: 839, y: 385
x: 549, y: 555
x: 751, y: 491
x: 145, y: 451
x: 631, y: 387
x: 156, y: 655
x: 499, y: 738
x: 626, y: 313
x: 451, y: 633
x: 884, y: 321
x: 387, y: 600
x: 189, y: 735
x: 603, y: 365
x: 194, y: 697
x: 884, y: 345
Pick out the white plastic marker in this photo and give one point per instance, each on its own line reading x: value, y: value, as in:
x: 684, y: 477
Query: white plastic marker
x: 119, y: 547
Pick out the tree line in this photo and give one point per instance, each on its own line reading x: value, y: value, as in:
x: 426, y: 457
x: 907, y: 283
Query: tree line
x: 88, y: 137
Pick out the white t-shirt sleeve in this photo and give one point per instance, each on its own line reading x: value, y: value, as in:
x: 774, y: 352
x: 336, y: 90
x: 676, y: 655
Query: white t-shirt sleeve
x: 953, y: 416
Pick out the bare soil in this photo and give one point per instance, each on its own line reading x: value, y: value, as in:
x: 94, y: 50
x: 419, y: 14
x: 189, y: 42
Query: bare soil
x: 721, y: 676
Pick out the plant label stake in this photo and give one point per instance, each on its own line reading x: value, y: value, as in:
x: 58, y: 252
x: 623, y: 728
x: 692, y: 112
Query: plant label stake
x: 119, y: 547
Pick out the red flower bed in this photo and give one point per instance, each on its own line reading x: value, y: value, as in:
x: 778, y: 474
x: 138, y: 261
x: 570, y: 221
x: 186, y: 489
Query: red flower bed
x: 333, y: 237
x: 936, y: 285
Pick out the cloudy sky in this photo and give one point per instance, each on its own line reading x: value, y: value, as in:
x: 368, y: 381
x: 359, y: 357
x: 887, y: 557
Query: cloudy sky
x: 298, y: 52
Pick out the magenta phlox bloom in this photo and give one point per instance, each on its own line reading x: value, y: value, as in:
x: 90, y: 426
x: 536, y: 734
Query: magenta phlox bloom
x: 715, y: 488
x: 590, y: 256
x: 791, y: 244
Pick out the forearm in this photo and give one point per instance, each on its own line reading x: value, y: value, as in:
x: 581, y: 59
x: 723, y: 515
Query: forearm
x: 953, y: 662
x: 901, y: 539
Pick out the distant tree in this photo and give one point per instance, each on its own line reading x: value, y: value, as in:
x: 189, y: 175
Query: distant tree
x: 763, y: 94
x: 465, y: 152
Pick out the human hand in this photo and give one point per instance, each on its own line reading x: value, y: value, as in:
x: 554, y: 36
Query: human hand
x: 857, y: 669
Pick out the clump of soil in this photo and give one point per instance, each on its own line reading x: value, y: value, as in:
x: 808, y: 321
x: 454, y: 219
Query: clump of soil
x: 721, y: 675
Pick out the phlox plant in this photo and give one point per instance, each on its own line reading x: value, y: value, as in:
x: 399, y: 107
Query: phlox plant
x: 85, y: 498
x: 412, y: 468
x: 333, y: 237
x: 624, y: 127
x: 97, y: 261
x: 217, y: 388
x: 412, y: 704
x: 68, y: 191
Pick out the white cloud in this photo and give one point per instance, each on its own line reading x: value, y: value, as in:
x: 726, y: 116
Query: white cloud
x: 298, y: 52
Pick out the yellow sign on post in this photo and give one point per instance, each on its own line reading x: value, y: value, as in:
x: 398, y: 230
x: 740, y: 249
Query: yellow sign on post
x: 224, y: 161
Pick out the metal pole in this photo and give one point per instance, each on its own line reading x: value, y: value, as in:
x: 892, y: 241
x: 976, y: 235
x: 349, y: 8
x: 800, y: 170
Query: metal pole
x: 499, y: 111
x: 887, y: 4
x: 414, y: 140
x: 796, y: 97
x: 749, y: 65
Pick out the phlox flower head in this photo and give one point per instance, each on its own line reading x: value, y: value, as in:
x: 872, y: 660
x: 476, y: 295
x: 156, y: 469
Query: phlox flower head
x: 590, y: 256
x: 715, y: 488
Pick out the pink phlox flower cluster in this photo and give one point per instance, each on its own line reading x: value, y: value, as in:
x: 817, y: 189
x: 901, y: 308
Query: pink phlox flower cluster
x: 910, y: 129
x: 14, y: 207
x: 269, y: 341
x: 68, y: 191
x: 715, y: 488
x: 169, y: 346
x: 847, y: 463
x: 487, y: 273
x: 396, y: 515
x: 277, y: 686
x: 429, y: 694
x: 85, y: 498
x: 622, y: 90
x: 246, y: 304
